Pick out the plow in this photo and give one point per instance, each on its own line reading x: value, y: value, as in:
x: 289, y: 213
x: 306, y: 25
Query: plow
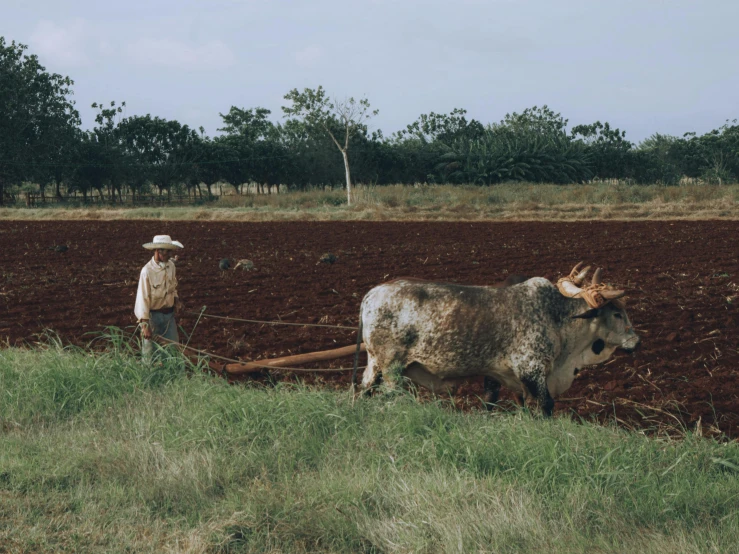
x: 286, y: 363
x: 232, y: 367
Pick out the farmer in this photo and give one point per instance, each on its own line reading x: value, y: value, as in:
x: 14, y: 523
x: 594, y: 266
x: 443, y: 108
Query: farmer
x: 156, y: 297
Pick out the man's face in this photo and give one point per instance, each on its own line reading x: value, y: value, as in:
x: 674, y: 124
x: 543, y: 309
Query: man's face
x: 161, y: 255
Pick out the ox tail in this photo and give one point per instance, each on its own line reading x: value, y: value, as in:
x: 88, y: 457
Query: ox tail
x: 356, y: 352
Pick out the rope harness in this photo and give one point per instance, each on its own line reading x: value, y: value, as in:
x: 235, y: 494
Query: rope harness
x: 274, y: 322
x: 595, y: 293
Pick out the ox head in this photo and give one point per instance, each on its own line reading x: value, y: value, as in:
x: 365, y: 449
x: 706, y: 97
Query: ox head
x: 607, y: 310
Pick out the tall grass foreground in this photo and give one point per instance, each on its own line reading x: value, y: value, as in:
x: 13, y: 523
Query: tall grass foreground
x: 99, y: 453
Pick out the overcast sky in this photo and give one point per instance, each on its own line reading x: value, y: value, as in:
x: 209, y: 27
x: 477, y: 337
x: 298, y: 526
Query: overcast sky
x: 645, y: 66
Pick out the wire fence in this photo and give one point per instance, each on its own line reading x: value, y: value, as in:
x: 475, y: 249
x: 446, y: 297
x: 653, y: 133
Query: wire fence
x: 35, y: 200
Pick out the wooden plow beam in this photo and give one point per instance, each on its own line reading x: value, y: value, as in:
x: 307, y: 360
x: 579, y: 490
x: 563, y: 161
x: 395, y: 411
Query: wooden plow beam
x: 288, y: 361
x: 236, y: 367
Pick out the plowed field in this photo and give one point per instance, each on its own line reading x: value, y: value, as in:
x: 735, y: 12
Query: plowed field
x: 682, y: 279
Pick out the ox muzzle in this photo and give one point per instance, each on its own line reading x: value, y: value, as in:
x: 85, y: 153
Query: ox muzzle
x: 631, y: 344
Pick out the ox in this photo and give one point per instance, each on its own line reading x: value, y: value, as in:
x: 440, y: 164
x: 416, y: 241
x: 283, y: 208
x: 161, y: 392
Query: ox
x: 532, y: 337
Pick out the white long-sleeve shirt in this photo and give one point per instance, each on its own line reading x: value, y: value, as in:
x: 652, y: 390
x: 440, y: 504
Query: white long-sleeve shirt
x: 157, y: 288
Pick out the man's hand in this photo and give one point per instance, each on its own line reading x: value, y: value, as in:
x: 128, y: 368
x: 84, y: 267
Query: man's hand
x: 179, y: 306
x: 145, y: 330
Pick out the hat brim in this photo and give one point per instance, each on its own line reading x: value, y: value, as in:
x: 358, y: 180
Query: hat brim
x: 160, y: 246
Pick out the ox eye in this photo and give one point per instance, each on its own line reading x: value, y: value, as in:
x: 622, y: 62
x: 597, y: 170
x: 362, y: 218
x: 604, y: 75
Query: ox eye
x: 618, y: 316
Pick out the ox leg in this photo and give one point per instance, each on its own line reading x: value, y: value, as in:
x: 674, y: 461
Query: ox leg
x: 536, y: 392
x: 392, y: 374
x: 385, y: 366
x: 369, y: 377
x: 492, y: 392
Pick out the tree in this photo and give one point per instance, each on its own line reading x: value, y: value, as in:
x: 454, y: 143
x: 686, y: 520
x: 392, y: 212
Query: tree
x: 36, y: 116
x: 502, y: 155
x: 530, y: 146
x: 256, y: 139
x: 251, y: 124
x: 656, y: 160
x: 719, y: 153
x: 118, y: 165
x: 541, y: 121
x: 608, y: 147
x: 333, y: 117
x: 167, y: 149
x: 90, y: 166
x: 61, y: 152
x: 418, y: 148
x: 445, y: 128
x: 214, y: 154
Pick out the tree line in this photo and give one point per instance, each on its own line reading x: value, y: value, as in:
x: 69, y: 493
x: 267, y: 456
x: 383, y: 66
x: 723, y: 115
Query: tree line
x: 319, y: 141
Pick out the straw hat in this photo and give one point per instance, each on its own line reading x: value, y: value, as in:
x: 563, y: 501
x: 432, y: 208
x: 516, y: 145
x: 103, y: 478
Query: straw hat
x: 163, y: 242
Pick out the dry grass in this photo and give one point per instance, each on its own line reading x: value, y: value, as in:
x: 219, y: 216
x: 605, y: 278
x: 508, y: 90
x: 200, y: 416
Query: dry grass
x: 519, y: 201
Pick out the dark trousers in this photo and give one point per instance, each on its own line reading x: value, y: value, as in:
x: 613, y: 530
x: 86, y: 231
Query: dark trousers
x: 162, y: 325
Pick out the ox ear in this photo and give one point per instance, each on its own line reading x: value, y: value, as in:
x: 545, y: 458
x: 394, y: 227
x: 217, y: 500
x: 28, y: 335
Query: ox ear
x: 590, y: 314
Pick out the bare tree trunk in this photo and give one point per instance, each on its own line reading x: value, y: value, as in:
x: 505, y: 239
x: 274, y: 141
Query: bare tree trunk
x: 345, y: 154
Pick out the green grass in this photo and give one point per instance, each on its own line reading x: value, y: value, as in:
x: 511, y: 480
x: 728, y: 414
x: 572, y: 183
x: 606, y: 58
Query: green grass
x: 101, y: 454
x: 525, y: 201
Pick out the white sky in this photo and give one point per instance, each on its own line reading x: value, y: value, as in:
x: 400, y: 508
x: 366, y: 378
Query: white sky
x: 645, y: 66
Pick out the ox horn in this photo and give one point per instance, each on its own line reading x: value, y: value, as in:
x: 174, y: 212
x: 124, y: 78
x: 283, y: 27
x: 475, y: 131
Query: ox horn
x: 568, y: 288
x: 597, y: 276
x: 580, y: 277
x: 619, y: 303
x: 609, y: 294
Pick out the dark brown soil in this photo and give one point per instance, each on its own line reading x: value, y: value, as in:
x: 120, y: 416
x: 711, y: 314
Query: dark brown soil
x: 682, y: 278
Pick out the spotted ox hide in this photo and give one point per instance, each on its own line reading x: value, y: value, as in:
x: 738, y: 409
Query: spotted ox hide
x: 528, y: 337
